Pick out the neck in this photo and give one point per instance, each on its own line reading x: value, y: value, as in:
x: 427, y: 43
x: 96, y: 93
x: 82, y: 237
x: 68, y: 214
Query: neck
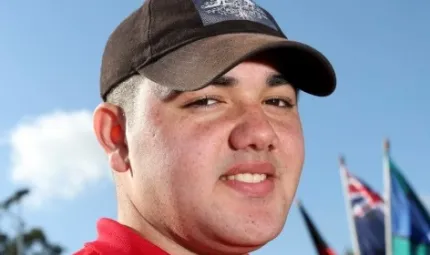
x: 129, y: 216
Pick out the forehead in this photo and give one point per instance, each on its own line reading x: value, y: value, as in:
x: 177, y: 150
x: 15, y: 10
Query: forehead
x: 256, y: 68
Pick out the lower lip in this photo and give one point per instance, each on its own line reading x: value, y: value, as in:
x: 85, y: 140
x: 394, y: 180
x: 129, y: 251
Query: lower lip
x: 260, y: 189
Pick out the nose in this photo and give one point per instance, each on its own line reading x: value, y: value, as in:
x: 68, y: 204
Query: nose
x: 253, y: 131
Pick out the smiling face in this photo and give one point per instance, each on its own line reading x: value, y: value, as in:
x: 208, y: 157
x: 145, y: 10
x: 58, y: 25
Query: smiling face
x: 217, y: 168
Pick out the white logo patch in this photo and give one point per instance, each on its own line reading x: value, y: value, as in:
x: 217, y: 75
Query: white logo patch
x: 214, y: 11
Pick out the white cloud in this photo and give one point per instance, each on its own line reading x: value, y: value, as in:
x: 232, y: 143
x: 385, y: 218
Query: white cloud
x: 56, y: 155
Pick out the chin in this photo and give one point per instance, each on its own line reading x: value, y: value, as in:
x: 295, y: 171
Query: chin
x: 257, y: 237
x: 252, y: 227
x: 239, y: 245
x: 246, y: 239
x: 235, y: 235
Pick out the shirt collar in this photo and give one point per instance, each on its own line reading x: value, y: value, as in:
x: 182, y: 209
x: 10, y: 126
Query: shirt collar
x: 125, y: 240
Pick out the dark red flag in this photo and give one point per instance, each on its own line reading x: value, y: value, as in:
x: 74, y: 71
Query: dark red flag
x: 320, y: 244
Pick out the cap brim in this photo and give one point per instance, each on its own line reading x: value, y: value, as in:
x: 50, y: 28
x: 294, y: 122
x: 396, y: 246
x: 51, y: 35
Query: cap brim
x: 196, y: 64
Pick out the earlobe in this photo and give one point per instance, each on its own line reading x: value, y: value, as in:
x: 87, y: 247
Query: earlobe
x: 109, y: 127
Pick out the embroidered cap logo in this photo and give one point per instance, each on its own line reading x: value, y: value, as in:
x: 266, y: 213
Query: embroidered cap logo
x: 215, y: 11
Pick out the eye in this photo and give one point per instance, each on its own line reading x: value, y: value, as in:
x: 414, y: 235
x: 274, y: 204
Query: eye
x: 280, y: 102
x: 203, y: 102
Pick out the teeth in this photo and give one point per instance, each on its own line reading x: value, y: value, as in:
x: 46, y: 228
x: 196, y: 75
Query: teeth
x: 246, y: 177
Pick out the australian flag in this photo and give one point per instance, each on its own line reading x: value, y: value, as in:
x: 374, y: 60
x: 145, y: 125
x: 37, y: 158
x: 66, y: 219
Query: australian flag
x: 367, y: 212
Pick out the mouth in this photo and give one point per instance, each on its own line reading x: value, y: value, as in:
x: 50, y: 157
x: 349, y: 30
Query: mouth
x: 250, y: 179
x: 245, y: 177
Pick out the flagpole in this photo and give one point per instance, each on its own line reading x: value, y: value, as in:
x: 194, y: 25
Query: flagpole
x: 387, y: 198
x: 352, y: 228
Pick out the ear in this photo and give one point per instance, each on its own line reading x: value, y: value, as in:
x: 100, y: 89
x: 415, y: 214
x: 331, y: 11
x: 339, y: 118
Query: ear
x: 109, y: 127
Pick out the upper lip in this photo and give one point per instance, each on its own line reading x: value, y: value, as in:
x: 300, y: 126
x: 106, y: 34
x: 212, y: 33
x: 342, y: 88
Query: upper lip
x: 252, y: 167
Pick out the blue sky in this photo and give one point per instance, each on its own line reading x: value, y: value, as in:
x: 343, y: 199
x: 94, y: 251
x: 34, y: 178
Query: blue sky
x: 50, y: 56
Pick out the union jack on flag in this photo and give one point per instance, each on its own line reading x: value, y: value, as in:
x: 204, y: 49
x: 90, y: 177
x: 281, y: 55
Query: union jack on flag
x: 367, y: 214
x: 363, y: 198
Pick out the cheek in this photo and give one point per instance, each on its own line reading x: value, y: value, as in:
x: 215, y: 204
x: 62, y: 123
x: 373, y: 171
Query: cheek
x: 292, y: 156
x: 291, y: 144
x: 290, y: 129
x: 192, y: 153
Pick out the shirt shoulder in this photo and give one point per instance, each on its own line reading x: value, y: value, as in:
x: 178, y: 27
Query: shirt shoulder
x: 97, y: 248
x: 86, y: 251
x: 114, y: 238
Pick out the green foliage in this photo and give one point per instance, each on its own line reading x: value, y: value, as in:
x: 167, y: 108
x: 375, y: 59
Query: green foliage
x: 33, y: 241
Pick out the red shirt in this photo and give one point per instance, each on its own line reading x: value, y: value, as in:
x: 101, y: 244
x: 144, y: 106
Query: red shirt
x: 116, y: 239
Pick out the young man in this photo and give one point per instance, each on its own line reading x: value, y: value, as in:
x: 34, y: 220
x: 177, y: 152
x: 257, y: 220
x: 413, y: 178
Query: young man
x: 201, y: 125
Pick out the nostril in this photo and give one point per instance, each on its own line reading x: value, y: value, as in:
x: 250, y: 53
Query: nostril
x: 259, y: 147
x: 271, y: 147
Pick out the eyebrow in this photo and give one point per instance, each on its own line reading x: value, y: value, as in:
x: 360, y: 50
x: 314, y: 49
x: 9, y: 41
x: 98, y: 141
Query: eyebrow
x: 273, y: 80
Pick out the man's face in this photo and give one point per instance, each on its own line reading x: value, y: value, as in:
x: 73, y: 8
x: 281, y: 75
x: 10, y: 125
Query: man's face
x: 218, y: 167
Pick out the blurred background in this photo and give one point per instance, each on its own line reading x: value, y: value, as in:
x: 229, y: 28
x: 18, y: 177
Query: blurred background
x: 56, y: 183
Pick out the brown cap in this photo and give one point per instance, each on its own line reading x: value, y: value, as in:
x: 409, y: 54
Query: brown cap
x: 185, y: 44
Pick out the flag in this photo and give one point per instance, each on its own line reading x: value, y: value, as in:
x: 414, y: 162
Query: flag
x: 365, y: 210
x: 320, y: 244
x: 408, y: 221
